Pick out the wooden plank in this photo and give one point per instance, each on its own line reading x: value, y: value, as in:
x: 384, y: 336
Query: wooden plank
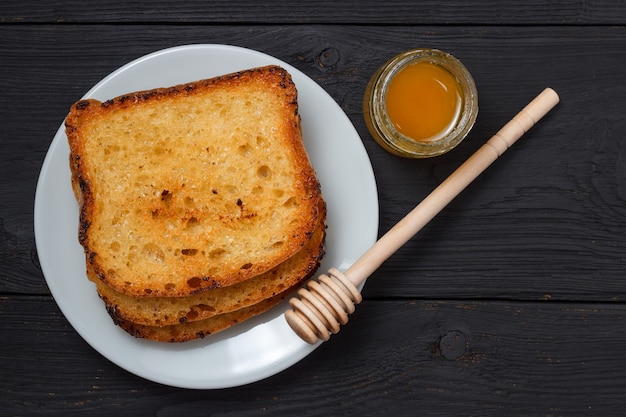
x: 296, y: 12
x: 448, y: 357
x: 546, y: 221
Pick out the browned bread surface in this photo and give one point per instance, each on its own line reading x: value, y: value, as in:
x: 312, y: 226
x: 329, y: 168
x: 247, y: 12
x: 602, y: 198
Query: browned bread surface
x: 184, y: 332
x: 159, y: 311
x: 192, y: 187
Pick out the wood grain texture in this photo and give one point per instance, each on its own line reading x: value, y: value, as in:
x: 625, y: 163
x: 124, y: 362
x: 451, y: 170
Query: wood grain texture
x: 446, y: 357
x: 491, y: 12
x: 544, y: 222
x: 510, y: 302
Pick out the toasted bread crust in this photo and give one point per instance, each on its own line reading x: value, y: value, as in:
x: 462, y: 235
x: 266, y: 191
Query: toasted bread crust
x: 215, y: 190
x: 160, y: 311
x: 185, y: 332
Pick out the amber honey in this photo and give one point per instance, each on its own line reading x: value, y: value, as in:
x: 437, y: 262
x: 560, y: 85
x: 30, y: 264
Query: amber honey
x: 421, y: 103
x: 424, y: 101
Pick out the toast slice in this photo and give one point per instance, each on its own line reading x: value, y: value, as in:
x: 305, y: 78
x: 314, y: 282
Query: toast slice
x: 193, y: 187
x: 160, y: 311
x: 185, y: 332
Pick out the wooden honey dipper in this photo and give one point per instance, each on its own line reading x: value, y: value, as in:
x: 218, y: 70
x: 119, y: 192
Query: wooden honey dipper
x: 324, y: 304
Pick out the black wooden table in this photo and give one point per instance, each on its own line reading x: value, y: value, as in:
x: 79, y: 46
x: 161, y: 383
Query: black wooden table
x: 510, y: 302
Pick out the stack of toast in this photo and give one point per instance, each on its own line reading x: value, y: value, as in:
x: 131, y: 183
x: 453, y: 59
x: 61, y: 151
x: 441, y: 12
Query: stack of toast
x: 199, y: 207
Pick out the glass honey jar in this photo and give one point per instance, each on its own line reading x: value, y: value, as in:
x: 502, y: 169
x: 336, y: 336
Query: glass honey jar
x: 421, y: 103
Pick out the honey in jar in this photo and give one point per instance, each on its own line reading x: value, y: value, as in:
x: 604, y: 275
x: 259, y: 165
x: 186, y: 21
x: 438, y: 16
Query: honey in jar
x: 424, y: 101
x: 421, y: 103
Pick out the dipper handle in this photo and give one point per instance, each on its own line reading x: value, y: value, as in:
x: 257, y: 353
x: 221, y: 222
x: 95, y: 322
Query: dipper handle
x: 319, y: 308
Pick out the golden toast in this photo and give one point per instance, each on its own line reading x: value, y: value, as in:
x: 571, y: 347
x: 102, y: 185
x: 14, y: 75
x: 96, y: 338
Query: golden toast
x: 160, y: 311
x: 185, y: 332
x: 194, y: 187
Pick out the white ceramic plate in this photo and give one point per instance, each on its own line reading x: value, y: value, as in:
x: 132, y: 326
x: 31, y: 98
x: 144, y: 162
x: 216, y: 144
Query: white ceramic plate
x: 262, y: 346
